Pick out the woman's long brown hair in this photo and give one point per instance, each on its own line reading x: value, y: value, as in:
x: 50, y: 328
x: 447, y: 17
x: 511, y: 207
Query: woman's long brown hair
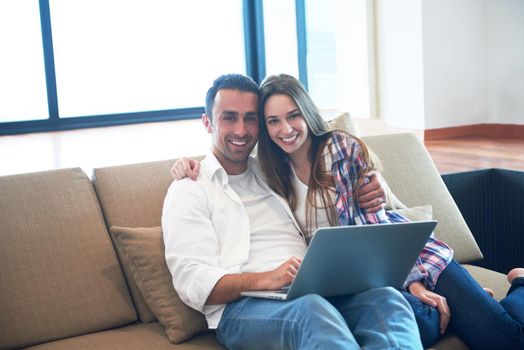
x: 275, y: 163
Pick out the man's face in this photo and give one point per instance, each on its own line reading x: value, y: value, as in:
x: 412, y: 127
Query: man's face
x: 233, y: 129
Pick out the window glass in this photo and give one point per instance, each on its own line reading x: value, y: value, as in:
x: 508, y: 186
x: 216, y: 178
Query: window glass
x: 126, y: 56
x: 22, y: 77
x: 280, y: 36
x: 338, y: 60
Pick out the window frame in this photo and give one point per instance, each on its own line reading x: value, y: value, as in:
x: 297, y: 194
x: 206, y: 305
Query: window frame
x: 255, y: 67
x: 253, y: 19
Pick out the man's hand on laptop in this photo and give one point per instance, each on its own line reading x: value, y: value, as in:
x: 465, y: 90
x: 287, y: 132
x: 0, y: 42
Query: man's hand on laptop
x: 371, y: 195
x: 229, y: 287
x: 282, y: 276
x: 432, y: 299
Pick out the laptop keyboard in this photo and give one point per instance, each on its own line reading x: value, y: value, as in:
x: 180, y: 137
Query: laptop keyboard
x: 283, y: 290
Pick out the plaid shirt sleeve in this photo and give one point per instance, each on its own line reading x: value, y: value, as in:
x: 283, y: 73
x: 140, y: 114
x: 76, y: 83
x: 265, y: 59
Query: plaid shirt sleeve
x: 433, y: 259
x: 344, y: 156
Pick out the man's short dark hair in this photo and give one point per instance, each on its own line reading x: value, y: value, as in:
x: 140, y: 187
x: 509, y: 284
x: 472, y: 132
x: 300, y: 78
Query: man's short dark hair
x: 229, y: 81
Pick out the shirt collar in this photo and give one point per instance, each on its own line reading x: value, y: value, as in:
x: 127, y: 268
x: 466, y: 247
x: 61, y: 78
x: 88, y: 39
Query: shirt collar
x: 213, y: 168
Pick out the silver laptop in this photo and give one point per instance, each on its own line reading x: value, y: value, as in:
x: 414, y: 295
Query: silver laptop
x: 352, y: 259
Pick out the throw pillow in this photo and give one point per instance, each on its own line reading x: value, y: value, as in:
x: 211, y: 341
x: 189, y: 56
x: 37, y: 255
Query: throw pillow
x: 421, y: 213
x: 342, y: 122
x: 142, y: 250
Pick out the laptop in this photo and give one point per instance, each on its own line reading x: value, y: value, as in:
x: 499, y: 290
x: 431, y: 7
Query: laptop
x: 351, y: 259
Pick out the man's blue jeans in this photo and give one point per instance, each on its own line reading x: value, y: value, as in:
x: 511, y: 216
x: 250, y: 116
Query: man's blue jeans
x: 376, y: 319
x: 478, y: 319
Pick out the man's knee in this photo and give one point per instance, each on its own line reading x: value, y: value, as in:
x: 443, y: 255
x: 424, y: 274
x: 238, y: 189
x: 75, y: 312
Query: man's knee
x: 314, y: 303
x: 317, y: 309
x: 385, y: 293
x: 386, y: 298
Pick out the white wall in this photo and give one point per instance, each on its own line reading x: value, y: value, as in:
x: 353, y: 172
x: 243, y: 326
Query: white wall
x: 455, y: 69
x: 468, y: 69
x: 505, y: 54
x: 400, y: 63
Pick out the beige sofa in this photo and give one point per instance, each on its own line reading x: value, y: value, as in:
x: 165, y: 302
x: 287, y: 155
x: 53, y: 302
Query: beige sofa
x: 67, y: 281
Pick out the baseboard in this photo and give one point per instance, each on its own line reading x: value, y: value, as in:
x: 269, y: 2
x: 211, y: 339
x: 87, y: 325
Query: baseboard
x: 513, y: 131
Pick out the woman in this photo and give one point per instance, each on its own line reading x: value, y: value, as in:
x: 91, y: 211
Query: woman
x: 317, y: 172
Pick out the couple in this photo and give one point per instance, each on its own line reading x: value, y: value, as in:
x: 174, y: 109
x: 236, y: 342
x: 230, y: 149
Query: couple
x: 231, y: 231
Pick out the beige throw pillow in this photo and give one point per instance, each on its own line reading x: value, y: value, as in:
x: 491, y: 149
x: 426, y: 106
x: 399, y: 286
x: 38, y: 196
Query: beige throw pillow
x: 142, y: 250
x: 421, y: 213
x: 342, y: 122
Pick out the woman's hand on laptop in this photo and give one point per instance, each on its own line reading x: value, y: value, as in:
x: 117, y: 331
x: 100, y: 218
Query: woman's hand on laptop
x: 418, y: 290
x: 185, y: 167
x: 281, y: 276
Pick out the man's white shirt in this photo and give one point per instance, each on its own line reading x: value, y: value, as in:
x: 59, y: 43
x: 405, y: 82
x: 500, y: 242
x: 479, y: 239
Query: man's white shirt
x: 274, y: 237
x: 208, y: 232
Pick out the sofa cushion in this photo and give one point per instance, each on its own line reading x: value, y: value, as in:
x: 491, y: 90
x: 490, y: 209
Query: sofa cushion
x: 340, y: 121
x: 133, y: 196
x: 497, y: 281
x: 138, y: 336
x: 413, y: 177
x: 59, y: 274
x: 421, y: 213
x: 449, y: 342
x: 142, y: 250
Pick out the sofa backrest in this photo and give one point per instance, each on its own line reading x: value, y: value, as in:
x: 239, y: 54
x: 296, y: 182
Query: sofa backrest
x: 413, y: 177
x: 133, y: 196
x: 59, y: 274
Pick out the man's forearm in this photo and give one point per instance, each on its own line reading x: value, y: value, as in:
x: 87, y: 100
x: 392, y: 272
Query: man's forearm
x: 228, y: 288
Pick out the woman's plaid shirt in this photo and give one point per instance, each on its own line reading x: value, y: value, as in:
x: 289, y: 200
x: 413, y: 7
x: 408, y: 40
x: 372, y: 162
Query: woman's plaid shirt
x: 344, y: 156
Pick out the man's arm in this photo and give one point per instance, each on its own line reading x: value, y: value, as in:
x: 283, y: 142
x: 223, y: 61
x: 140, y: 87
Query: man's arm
x: 371, y: 196
x: 229, y: 287
x: 191, y: 243
x: 376, y: 194
x: 192, y: 253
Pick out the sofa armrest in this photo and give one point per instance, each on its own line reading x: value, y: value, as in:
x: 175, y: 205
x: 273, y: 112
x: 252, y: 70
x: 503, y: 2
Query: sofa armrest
x: 413, y: 177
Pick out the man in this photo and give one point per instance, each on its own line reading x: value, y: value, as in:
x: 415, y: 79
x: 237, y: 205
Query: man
x: 228, y: 232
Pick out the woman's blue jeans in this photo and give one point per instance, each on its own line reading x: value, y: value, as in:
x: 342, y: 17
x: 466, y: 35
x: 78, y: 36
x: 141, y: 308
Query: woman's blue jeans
x: 376, y: 319
x: 476, y: 318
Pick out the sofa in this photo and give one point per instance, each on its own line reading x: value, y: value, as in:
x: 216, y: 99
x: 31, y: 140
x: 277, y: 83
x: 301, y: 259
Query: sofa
x: 81, y: 258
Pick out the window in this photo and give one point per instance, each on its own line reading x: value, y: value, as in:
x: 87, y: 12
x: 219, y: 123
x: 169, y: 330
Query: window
x: 280, y: 37
x: 338, y: 59
x: 22, y: 78
x: 84, y: 63
x: 123, y: 56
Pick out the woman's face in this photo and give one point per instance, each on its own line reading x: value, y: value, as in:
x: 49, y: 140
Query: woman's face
x: 285, y: 124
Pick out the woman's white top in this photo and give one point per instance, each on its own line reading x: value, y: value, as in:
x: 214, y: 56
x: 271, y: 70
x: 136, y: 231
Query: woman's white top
x: 300, y: 210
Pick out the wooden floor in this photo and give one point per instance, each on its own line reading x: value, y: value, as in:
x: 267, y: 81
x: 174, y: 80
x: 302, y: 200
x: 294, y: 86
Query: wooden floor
x: 99, y: 147
x: 474, y: 152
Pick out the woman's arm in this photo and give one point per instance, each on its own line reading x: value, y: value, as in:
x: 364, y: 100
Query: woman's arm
x: 418, y: 290
x: 185, y: 167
